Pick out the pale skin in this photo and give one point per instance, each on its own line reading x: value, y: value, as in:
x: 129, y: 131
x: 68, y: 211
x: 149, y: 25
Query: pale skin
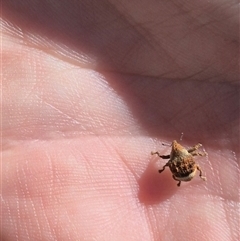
x: 89, y: 90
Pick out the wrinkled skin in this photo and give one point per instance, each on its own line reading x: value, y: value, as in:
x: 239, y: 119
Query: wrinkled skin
x: 90, y: 88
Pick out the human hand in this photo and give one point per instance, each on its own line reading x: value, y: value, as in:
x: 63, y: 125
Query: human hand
x: 89, y: 90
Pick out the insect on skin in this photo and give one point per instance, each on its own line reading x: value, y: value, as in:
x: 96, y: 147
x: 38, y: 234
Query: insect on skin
x: 181, y: 162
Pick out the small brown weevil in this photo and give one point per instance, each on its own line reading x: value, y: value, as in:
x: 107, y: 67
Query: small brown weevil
x: 181, y: 162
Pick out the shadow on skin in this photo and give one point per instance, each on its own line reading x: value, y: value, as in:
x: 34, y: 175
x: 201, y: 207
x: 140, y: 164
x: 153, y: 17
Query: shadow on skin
x: 155, y: 187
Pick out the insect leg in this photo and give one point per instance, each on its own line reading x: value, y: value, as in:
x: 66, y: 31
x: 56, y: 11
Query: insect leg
x: 200, y: 175
x: 163, y: 168
x: 179, y: 182
x: 161, y: 156
x: 194, y: 150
